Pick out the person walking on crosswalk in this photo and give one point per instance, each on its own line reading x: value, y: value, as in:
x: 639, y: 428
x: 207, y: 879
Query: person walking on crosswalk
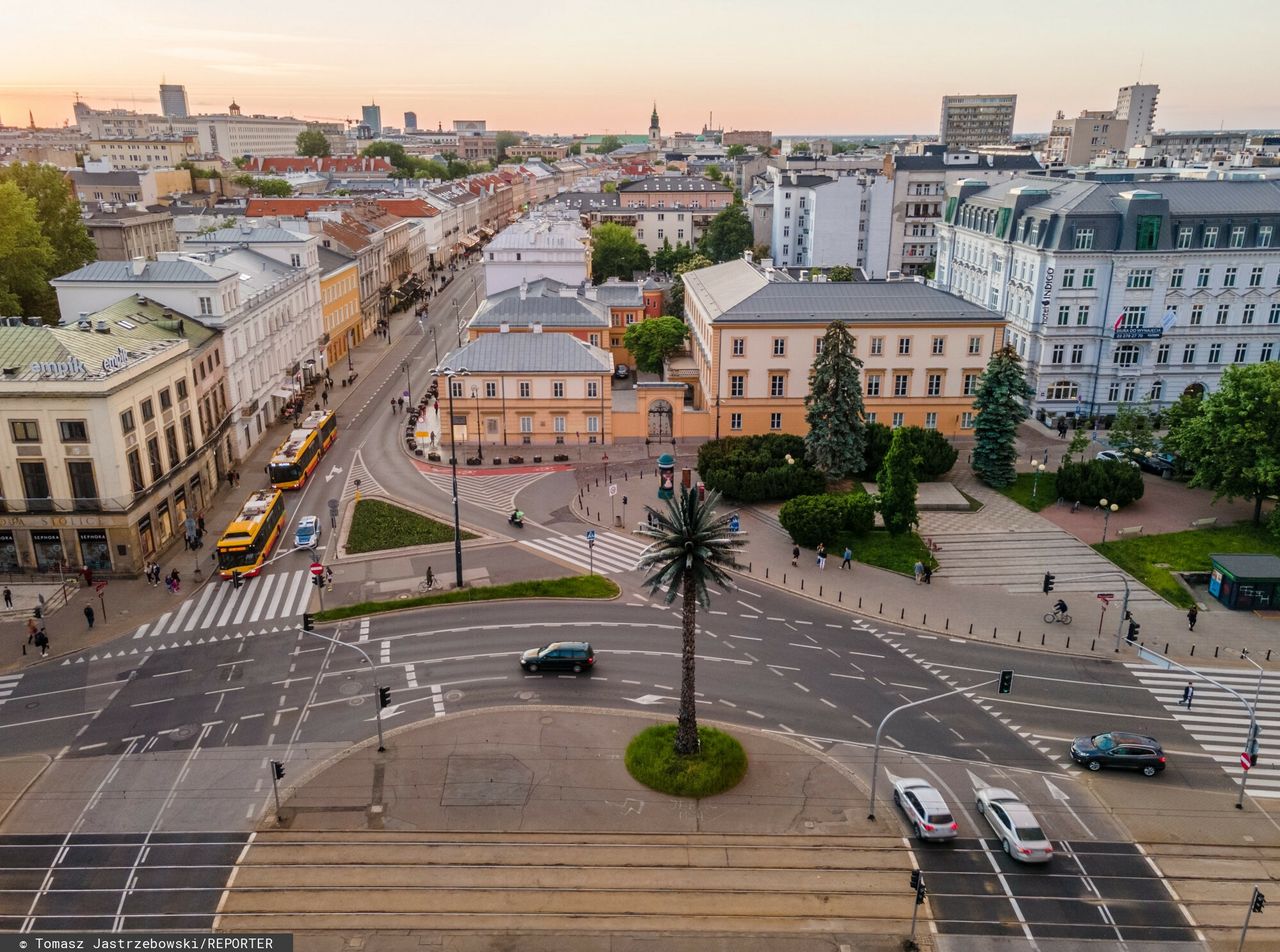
x: 1188, y: 695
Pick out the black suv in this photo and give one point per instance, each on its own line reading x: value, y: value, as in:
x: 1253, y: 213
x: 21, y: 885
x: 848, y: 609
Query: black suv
x: 572, y: 656
x: 1119, y: 749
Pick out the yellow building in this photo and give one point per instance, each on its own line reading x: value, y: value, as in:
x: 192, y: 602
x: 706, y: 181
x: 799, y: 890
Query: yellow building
x: 340, y: 303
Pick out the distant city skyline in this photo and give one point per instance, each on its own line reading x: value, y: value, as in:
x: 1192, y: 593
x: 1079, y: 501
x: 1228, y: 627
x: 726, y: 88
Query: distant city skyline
x: 867, y: 71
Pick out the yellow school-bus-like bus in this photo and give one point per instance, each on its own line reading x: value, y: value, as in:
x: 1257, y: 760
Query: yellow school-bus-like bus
x: 299, y: 455
x: 252, y: 534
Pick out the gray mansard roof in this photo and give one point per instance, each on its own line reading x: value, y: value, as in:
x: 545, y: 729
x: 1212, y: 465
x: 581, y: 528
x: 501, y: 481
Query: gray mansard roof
x: 529, y: 353
x: 547, y: 311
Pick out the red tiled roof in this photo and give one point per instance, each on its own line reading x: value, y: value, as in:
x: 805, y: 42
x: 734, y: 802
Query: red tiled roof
x: 338, y: 164
x: 263, y: 207
x: 408, y: 207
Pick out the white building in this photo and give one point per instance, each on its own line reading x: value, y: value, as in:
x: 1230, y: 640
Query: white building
x: 232, y: 134
x: 1137, y: 104
x: 537, y: 248
x: 972, y: 121
x: 261, y: 289
x: 819, y: 221
x: 1116, y: 293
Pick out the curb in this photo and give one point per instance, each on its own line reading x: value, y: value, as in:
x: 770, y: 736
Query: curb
x: 479, y: 601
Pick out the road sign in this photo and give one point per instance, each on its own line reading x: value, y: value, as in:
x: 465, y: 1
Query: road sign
x: 613, y: 489
x: 734, y: 524
x: 591, y: 535
x: 317, y: 568
x: 1105, y: 597
x: 100, y: 587
x: 1246, y: 761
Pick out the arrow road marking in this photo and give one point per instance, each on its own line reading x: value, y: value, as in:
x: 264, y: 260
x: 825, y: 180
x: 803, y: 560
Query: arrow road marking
x: 648, y: 699
x: 975, y: 781
x: 1061, y: 796
x: 336, y: 471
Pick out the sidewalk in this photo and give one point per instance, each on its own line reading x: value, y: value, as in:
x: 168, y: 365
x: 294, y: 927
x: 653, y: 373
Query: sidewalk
x: 133, y: 602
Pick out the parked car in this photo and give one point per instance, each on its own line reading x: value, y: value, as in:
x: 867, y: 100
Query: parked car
x: 575, y: 656
x: 928, y: 813
x: 622, y: 371
x: 1162, y: 464
x: 307, y: 535
x: 1114, y: 456
x: 1119, y: 749
x: 1015, y: 825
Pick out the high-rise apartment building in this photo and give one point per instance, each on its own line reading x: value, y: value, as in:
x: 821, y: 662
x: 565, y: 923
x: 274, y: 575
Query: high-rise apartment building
x: 972, y: 121
x: 1137, y: 104
x: 173, y: 101
x: 410, y: 122
x: 372, y: 116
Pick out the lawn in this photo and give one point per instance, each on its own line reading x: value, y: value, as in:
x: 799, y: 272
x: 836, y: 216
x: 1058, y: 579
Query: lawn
x: 379, y: 525
x: 1146, y: 557
x: 718, y: 766
x: 1020, y: 491
x: 575, y: 586
x: 895, y: 553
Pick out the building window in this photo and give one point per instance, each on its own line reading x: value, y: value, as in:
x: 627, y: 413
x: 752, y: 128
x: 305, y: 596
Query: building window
x: 1237, y: 236
x: 1185, y: 234
x: 1139, y: 278
x: 900, y: 384
x: 1148, y: 236
x: 1157, y: 390
x: 557, y: 389
x: 1246, y: 317
x: 1064, y: 314
x: 490, y: 389
x: 188, y: 435
x: 1130, y: 390
x: 593, y: 388
x: 593, y: 424
x: 1126, y: 355
x: 970, y: 384
x: 1255, y: 277
x: 777, y: 385
x: 557, y: 423
x: 455, y: 388
x: 904, y: 346
x: 1265, y: 355
x: 135, y: 471
x: 181, y: 388
x: 24, y: 431
x: 1068, y: 278
x: 873, y: 385
x: 817, y: 345
x: 739, y: 346
x: 975, y: 345
x: 1189, y: 354
x: 1215, y: 353
x: 877, y: 346
x: 735, y: 421
x: 1162, y: 354
x: 1223, y: 311
x: 166, y: 399
x: 1264, y: 236
x: 1229, y: 278
x: 1197, y: 314
x: 934, y: 385
x: 1273, y: 316
x: 1082, y: 315
x: 1086, y: 277
x: 897, y: 419
x: 938, y: 344
x: 1210, y: 237
x: 775, y: 421
x: 1113, y: 391
x: 737, y: 384
x: 526, y: 424
x: 1242, y: 353
x: 966, y: 420
x: 1175, y: 279
x: 73, y: 431
x: 148, y: 411
x: 1084, y: 239
x: 931, y: 421
x: 871, y: 416
x: 1059, y: 351
x: 1134, y: 316
x: 1062, y: 390
x: 779, y: 347
x: 1202, y: 278
x: 126, y: 421
x: 153, y: 457
x: 525, y: 389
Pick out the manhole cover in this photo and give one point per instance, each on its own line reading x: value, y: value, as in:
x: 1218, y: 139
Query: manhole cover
x: 356, y: 701
x: 348, y: 688
x: 183, y: 732
x: 526, y: 695
x: 453, y: 696
x: 546, y: 719
x: 32, y: 705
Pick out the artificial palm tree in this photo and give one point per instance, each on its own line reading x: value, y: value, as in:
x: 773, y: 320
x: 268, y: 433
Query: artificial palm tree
x: 692, y: 546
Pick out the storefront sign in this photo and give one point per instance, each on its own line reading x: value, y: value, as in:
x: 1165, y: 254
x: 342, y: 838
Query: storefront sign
x: 59, y: 368
x: 117, y: 361
x: 1137, y: 333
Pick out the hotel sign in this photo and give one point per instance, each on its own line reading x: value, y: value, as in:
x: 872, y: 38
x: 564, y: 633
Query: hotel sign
x: 1045, y: 295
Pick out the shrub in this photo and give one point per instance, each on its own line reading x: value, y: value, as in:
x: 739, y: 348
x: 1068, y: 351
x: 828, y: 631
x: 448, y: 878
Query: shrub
x: 934, y: 453
x: 813, y: 519
x: 859, y: 513
x: 1112, y: 480
x: 755, y: 468
x: 879, y: 436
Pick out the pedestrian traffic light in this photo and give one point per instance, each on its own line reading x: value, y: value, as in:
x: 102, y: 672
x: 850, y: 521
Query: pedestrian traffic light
x: 920, y: 893
x: 915, y: 879
x: 1134, y: 628
x: 277, y: 769
x: 1048, y: 582
x: 1259, y: 900
x: 1006, y: 681
x: 317, y: 581
x: 308, y: 621
x: 384, y: 697
x: 236, y: 580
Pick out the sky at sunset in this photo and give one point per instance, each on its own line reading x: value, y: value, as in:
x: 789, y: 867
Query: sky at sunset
x: 571, y: 66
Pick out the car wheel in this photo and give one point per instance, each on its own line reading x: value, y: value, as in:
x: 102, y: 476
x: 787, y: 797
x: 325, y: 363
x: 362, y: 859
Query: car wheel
x: 1094, y: 765
x: 897, y: 799
x: 919, y: 831
x: 533, y: 668
x: 981, y: 808
x: 1148, y: 771
x: 1005, y: 844
x: 577, y: 669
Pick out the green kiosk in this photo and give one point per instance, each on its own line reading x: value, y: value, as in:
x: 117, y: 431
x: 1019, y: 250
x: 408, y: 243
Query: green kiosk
x: 666, y: 476
x: 1245, y: 581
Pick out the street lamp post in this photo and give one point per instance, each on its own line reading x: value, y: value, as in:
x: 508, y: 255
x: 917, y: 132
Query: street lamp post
x: 1106, y: 515
x: 1035, y: 482
x: 436, y: 344
x: 449, y: 373
x: 475, y: 395
x: 1251, y: 745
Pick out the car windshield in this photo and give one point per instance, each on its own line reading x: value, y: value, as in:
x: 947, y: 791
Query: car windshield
x: 941, y: 818
x: 1103, y: 741
x: 1030, y: 834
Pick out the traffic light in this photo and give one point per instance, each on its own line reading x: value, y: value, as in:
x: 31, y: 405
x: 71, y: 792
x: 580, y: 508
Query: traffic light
x: 1006, y: 681
x: 317, y: 581
x: 384, y: 697
x: 915, y: 879
x: 1134, y: 628
x: 1048, y: 582
x: 920, y: 893
x: 1259, y: 900
x: 308, y: 621
x: 277, y: 769
x: 236, y: 580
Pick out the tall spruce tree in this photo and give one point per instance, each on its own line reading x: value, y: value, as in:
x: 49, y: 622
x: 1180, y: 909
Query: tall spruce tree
x: 897, y: 483
x: 836, y: 442
x: 1001, y: 403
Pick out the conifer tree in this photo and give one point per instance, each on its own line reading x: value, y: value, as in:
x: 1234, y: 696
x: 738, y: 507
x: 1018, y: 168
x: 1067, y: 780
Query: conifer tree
x: 1001, y: 403
x: 837, y: 439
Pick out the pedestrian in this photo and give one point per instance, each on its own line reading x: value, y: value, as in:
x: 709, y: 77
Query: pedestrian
x: 822, y: 556
x: 1188, y: 695
x: 328, y: 577
x: 231, y: 479
x: 795, y: 555
x: 88, y: 615
x: 1192, y: 614
x: 927, y: 575
x: 177, y: 581
x: 32, y: 627
x: 431, y: 579
x: 401, y: 401
x: 8, y: 597
x: 40, y: 604
x: 200, y: 524
x: 235, y: 474
x: 393, y: 406
x: 325, y: 396
x: 1062, y: 428
x: 42, y: 642
x: 919, y: 571
x: 847, y: 560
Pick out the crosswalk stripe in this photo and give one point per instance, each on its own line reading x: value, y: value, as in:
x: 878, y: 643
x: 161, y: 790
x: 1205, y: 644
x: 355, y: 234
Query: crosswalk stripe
x: 492, y: 492
x: 8, y: 684
x: 300, y: 594
x: 265, y: 596
x: 201, y: 604
x: 613, y: 553
x: 182, y: 611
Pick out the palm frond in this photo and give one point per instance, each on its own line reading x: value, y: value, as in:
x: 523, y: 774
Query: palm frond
x: 691, y: 539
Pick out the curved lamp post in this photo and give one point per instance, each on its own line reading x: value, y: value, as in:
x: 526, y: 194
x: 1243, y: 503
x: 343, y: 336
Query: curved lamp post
x: 450, y: 373
x: 1107, y: 510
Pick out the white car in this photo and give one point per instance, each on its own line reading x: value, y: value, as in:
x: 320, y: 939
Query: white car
x: 928, y: 813
x: 1114, y: 456
x: 1012, y: 821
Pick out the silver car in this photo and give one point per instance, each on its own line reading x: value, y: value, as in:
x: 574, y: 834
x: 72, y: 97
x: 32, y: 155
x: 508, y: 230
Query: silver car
x: 1015, y: 825
x: 927, y: 812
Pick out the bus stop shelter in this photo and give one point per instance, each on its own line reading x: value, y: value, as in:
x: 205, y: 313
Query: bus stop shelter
x: 1245, y: 581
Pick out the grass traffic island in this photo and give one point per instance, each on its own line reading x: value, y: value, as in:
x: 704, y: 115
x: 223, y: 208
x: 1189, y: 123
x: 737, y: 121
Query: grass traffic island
x: 720, y: 765
x: 1046, y: 490
x: 378, y: 525
x: 575, y: 586
x: 897, y: 553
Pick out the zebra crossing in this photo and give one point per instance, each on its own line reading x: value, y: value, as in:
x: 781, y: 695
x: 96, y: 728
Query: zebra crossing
x: 496, y: 492
x: 358, y: 472
x: 1219, y: 722
x: 8, y: 684
x: 614, y: 553
x: 220, y: 605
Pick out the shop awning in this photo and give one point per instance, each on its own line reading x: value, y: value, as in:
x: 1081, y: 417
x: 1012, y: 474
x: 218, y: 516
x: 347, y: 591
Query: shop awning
x: 469, y: 241
x: 282, y: 394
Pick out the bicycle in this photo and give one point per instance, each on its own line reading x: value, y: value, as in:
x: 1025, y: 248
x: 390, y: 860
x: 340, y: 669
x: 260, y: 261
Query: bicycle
x: 1051, y: 617
x: 426, y: 585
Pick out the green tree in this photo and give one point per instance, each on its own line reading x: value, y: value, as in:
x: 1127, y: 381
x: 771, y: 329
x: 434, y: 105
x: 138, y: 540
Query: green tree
x: 879, y: 439
x: 713, y: 172
x: 311, y: 141
x: 651, y: 342
x: 728, y: 235
x: 505, y: 140
x: 26, y: 257
x: 933, y: 452
x: 274, y: 188
x: 608, y: 144
x: 1079, y: 443
x: 800, y: 146
x: 1001, y: 403
x: 736, y: 150
x: 575, y: 149
x: 609, y: 187
x: 841, y: 273
x: 667, y: 258
x: 676, y: 294
x: 1231, y: 444
x: 837, y: 439
x: 58, y: 214
x: 1132, y: 431
x: 692, y: 548
x: 615, y: 252
x: 897, y: 484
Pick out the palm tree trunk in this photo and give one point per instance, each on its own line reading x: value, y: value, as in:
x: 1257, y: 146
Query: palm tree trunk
x: 687, y: 719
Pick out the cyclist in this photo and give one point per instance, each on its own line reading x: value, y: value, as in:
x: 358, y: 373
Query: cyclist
x: 1059, y: 607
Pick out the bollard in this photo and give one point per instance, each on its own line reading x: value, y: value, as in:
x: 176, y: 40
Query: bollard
x: 749, y: 572
x: 1166, y: 648
x: 947, y: 625
x: 840, y: 600
x: 626, y: 477
x: 784, y: 578
x: 924, y: 621
x: 597, y: 482
x: 1093, y: 644
x: 1193, y: 651
x: 859, y: 601
x: 903, y: 616
x: 819, y: 591
x: 766, y: 571
x: 1215, y: 651
x: 1068, y: 641
x: 880, y: 611
x: 1042, y: 639
x: 971, y: 628
x: 802, y: 585
x: 1019, y: 636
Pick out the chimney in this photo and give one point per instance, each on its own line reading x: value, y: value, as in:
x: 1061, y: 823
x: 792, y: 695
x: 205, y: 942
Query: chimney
x: 536, y: 327
x: 504, y: 328
x: 103, y: 327
x: 137, y: 266
x: 793, y: 178
x: 524, y: 289
x: 182, y: 328
x: 748, y: 257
